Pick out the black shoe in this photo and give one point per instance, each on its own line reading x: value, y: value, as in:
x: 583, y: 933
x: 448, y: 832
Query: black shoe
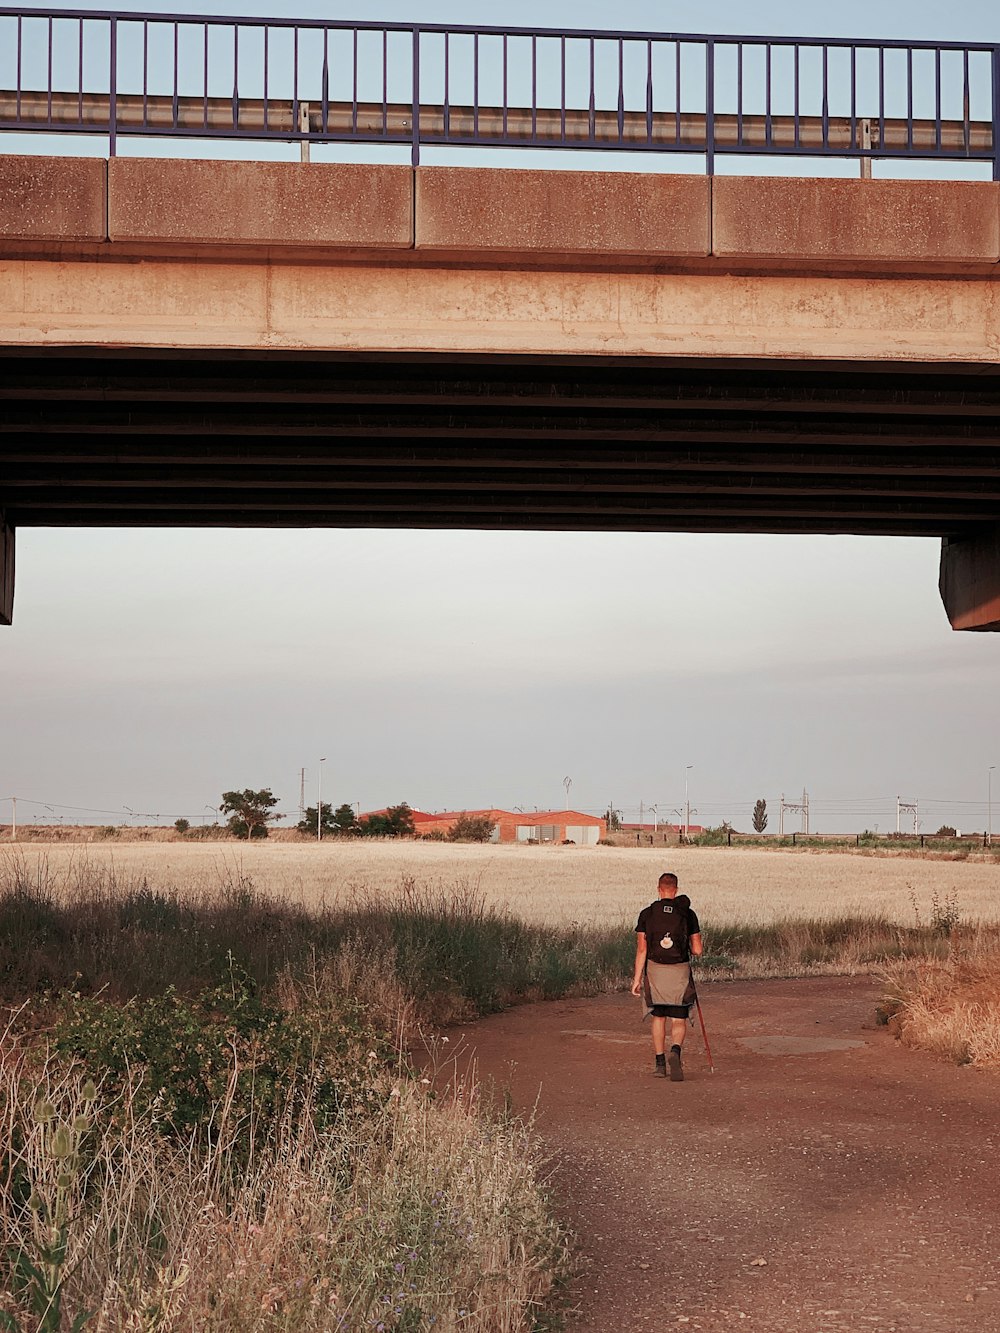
x: 676, y: 1072
x: 661, y: 1068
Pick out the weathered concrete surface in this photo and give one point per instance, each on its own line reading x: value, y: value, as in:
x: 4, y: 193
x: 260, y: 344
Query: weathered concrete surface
x: 970, y: 581
x: 341, y: 206
x: 53, y: 198
x: 895, y: 222
x: 6, y: 573
x: 384, y: 306
x: 562, y: 212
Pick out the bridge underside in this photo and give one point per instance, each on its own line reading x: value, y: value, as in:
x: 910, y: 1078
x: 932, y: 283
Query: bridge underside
x: 587, y: 444
x: 193, y: 439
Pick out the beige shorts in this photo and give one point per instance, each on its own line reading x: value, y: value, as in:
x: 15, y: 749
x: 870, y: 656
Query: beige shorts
x: 669, y: 989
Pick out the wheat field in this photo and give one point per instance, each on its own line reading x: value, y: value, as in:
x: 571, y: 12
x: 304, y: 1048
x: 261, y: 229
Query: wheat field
x: 555, y: 885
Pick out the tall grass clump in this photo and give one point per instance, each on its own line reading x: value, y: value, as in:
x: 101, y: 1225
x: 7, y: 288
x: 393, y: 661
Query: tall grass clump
x: 415, y: 954
x: 425, y: 1214
x: 822, y: 945
x: 208, y: 1118
x: 950, y: 1007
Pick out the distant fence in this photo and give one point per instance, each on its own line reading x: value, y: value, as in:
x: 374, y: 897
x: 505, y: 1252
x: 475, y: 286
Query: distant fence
x: 183, y: 76
x: 863, y: 840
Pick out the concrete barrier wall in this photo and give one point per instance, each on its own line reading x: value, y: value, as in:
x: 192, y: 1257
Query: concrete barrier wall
x: 321, y: 205
x: 490, y: 212
x: 562, y: 212
x: 62, y: 199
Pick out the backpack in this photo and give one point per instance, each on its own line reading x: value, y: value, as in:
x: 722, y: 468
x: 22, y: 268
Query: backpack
x: 668, y: 920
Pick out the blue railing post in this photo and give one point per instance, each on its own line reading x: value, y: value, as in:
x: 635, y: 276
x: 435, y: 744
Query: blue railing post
x: 415, y: 127
x: 996, y: 113
x: 710, y: 108
x: 113, y: 91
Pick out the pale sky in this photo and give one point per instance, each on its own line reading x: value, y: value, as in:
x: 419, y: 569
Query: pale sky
x: 151, y: 670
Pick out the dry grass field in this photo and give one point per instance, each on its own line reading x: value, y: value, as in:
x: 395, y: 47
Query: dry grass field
x: 602, y: 886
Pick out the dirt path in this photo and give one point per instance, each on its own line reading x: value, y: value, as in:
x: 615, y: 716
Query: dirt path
x: 830, y: 1181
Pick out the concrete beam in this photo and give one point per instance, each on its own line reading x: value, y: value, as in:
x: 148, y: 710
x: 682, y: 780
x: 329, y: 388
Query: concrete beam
x: 321, y: 204
x: 562, y: 212
x: 6, y: 573
x: 384, y: 305
x: 970, y: 581
x: 53, y: 198
x: 897, y: 223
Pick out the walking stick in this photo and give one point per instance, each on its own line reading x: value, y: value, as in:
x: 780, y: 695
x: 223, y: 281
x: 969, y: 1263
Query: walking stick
x: 704, y: 1033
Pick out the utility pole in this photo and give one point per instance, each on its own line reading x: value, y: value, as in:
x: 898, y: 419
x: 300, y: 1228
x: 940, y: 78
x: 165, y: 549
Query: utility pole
x: 989, y: 805
x: 302, y: 793
x: 687, y: 803
x: 642, y: 813
x: 910, y: 808
x: 13, y: 819
x: 793, y: 807
x: 319, y: 802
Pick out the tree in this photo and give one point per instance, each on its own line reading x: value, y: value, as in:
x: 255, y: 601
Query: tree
x: 760, y: 816
x: 308, y: 824
x: 344, y: 820
x: 613, y: 819
x: 182, y: 825
x: 946, y: 831
x: 397, y: 822
x: 250, y: 811
x: 472, y: 828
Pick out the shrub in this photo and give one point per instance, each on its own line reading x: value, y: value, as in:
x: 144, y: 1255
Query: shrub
x: 182, y: 825
x: 180, y: 1060
x: 472, y: 828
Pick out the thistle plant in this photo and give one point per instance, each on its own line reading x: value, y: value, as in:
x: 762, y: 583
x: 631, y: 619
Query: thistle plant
x: 38, y: 1266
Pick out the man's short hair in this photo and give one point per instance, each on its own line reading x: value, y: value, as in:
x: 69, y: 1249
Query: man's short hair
x: 668, y: 876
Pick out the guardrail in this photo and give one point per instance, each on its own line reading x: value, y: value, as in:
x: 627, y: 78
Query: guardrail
x: 430, y: 85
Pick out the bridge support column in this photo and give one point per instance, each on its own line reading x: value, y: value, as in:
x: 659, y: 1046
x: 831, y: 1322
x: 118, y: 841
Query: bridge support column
x: 6, y: 572
x: 970, y: 581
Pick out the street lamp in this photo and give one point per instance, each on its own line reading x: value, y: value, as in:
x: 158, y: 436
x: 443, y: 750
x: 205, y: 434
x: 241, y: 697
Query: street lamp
x: 319, y: 802
x: 687, y: 802
x: 653, y: 808
x: 567, y: 783
x: 990, y: 804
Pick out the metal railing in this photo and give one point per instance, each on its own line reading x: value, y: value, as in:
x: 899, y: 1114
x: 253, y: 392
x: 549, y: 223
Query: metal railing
x: 430, y: 85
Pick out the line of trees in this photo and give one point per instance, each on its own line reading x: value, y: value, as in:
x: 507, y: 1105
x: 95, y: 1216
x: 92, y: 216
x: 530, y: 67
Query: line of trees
x: 251, y: 814
x: 396, y: 822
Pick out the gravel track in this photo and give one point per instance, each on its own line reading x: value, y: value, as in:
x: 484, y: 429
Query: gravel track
x: 827, y: 1182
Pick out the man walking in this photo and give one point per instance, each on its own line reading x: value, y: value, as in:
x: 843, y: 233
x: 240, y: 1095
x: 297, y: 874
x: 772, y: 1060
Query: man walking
x: 668, y: 934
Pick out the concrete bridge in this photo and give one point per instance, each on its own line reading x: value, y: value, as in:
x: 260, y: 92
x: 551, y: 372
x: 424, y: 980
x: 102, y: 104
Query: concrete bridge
x: 193, y: 343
